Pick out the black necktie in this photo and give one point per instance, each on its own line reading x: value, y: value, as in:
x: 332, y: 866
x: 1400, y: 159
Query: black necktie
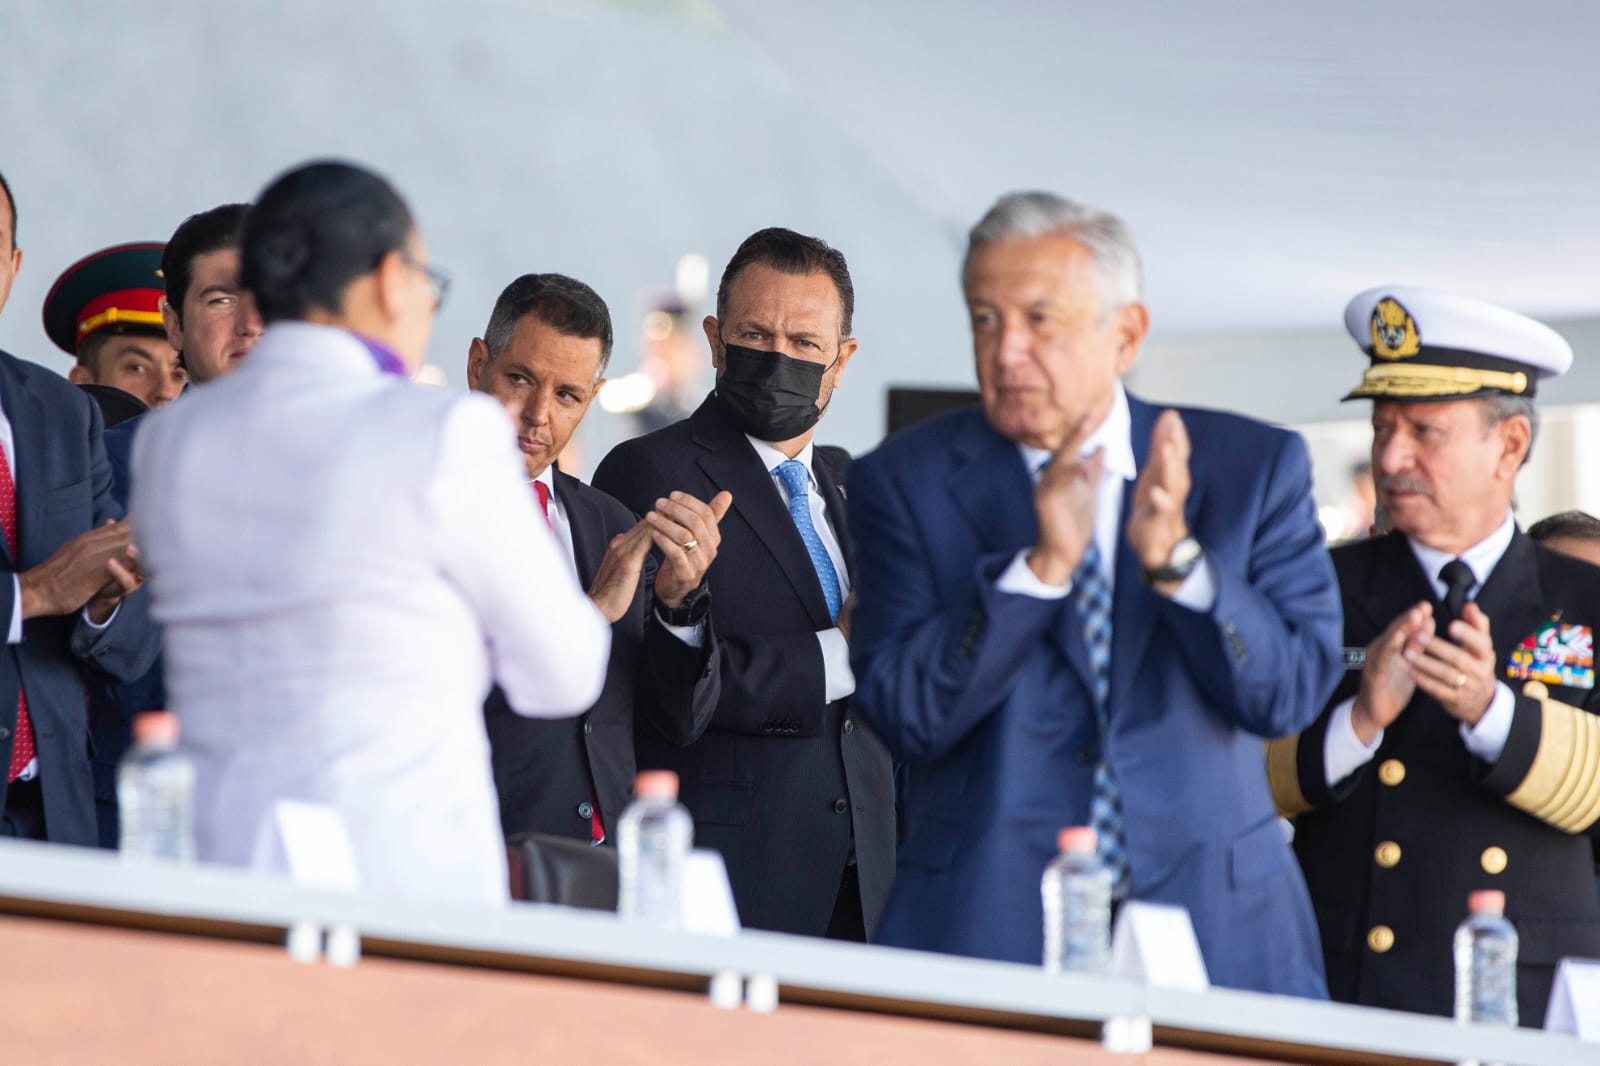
x: 1458, y: 581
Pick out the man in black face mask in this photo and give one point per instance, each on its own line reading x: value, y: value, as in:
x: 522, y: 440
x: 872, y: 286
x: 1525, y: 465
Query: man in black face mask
x: 788, y: 783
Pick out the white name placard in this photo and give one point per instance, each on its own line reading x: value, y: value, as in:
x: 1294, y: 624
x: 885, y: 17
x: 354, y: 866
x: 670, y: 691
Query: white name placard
x: 707, y: 898
x: 1574, y: 1007
x: 308, y: 843
x: 1155, y: 943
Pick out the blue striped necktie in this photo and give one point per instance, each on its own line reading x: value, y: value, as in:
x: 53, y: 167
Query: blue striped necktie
x: 797, y: 483
x: 1093, y: 597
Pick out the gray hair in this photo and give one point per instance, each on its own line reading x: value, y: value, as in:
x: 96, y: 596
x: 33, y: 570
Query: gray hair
x: 1499, y: 406
x: 1037, y: 214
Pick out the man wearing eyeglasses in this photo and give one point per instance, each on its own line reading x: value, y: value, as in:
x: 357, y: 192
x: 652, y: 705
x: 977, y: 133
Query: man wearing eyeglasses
x: 344, y: 562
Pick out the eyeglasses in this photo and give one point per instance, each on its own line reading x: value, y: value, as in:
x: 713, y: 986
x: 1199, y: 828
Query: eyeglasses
x: 438, y: 277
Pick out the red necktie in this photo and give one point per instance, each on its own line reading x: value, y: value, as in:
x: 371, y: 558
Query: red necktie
x: 597, y: 829
x: 541, y: 490
x: 22, y: 745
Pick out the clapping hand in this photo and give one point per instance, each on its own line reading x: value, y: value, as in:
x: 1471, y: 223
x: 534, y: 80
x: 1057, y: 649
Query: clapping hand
x: 1155, y: 519
x: 1064, y: 501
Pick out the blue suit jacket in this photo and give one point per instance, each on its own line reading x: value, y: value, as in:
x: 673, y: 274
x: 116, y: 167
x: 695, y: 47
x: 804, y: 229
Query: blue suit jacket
x: 986, y: 694
x: 63, y: 489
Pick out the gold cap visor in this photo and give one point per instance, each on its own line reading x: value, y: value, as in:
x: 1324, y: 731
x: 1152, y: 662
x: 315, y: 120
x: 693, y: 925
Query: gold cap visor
x: 1425, y: 381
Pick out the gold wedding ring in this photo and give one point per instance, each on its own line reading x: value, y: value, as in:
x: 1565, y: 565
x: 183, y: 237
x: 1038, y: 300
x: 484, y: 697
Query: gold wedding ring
x: 1461, y: 679
x: 691, y: 544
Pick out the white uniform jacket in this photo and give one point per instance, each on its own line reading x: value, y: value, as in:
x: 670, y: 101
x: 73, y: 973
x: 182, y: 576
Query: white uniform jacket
x: 343, y: 561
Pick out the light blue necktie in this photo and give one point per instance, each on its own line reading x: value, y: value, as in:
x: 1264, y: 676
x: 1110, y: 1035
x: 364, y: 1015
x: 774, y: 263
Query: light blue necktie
x: 1093, y: 597
x: 797, y: 483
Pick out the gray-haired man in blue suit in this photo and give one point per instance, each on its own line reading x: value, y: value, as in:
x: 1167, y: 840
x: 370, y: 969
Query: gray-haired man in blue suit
x: 1077, y: 608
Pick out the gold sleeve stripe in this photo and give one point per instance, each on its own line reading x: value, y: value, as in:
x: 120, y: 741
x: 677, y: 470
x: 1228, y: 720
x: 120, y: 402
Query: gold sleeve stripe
x: 1283, y: 775
x: 1563, y: 784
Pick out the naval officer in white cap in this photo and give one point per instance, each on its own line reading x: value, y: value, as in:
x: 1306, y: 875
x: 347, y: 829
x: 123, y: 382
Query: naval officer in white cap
x: 1461, y: 751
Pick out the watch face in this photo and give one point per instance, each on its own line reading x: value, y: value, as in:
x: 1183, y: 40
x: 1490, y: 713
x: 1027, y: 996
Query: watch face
x: 1185, y: 554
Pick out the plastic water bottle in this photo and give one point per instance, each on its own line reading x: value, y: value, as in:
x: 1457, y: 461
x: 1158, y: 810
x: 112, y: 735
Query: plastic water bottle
x: 1486, y: 962
x: 155, y: 792
x: 654, y: 836
x: 1077, y: 906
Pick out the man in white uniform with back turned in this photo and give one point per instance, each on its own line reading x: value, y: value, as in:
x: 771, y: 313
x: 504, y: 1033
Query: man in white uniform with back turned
x: 343, y: 562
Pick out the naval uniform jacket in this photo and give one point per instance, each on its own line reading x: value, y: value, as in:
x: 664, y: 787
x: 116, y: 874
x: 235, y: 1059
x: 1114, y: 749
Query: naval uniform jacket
x: 1391, y: 852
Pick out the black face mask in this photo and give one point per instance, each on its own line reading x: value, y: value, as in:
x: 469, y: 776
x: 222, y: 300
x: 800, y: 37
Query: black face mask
x: 768, y: 395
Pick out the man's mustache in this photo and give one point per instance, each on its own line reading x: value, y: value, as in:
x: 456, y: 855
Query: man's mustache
x: 1404, y: 483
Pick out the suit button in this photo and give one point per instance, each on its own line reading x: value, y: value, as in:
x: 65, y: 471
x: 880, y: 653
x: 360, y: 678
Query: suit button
x: 849, y: 726
x: 5, y: 734
x: 1380, y: 938
x: 1494, y: 860
x: 840, y: 806
x: 1088, y: 756
x: 588, y: 727
x: 1392, y: 772
x: 585, y: 810
x: 1388, y: 854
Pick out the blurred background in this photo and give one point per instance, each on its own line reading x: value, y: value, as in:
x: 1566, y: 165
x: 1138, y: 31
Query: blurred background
x: 1273, y: 158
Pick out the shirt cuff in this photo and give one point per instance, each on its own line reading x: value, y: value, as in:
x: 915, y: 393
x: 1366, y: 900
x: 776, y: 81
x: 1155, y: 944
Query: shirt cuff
x: 15, y: 636
x: 1019, y: 580
x: 1199, y: 590
x: 838, y: 680
x: 1487, y: 739
x: 1342, y: 751
x: 694, y: 636
x: 112, y: 617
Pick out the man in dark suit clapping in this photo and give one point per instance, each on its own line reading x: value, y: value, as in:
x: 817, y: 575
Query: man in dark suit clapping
x: 788, y: 782
x: 544, y: 356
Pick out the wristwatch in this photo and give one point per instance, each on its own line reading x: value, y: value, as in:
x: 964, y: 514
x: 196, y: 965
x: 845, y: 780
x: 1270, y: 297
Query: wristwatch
x: 1185, y: 556
x: 691, y: 612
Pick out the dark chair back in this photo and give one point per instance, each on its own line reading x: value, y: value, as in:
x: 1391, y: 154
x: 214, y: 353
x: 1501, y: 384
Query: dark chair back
x: 554, y: 869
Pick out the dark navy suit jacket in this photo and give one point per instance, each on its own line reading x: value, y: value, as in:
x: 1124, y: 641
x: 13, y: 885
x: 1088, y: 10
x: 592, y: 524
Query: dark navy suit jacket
x: 63, y: 489
x: 783, y: 783
x: 112, y: 704
x: 986, y: 694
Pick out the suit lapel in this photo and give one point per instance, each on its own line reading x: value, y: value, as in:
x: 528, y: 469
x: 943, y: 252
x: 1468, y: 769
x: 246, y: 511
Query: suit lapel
x: 24, y: 410
x: 1513, y: 597
x: 1134, y: 607
x: 830, y: 483
x: 994, y: 491
x: 732, y: 464
x: 588, y: 536
x: 993, y: 488
x: 1395, y: 585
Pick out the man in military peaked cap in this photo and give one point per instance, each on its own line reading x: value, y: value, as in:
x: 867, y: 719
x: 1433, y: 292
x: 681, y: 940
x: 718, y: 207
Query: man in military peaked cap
x: 1462, y: 749
x: 105, y: 311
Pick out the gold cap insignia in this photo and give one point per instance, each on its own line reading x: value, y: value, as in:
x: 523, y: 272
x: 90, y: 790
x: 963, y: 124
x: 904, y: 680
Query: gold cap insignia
x: 1394, y: 331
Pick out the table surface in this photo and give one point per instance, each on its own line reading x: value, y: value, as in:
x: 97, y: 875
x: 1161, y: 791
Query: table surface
x: 97, y: 887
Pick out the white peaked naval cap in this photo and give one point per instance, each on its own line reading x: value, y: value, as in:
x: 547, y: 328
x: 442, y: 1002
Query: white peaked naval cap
x: 1430, y: 345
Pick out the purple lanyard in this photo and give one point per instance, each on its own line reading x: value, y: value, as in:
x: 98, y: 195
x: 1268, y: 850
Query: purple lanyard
x: 386, y: 358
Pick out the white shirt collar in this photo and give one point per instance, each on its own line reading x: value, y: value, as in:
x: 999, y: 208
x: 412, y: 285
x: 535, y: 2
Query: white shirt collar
x: 1114, y: 434
x: 772, y: 458
x: 1481, y: 558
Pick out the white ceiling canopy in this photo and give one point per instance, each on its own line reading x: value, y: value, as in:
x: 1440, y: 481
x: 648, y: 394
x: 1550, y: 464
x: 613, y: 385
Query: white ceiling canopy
x: 1273, y: 158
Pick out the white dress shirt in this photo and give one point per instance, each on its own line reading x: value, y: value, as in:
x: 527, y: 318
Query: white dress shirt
x: 1342, y: 751
x: 343, y: 562
x: 1198, y: 592
x: 560, y: 524
x: 839, y: 680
